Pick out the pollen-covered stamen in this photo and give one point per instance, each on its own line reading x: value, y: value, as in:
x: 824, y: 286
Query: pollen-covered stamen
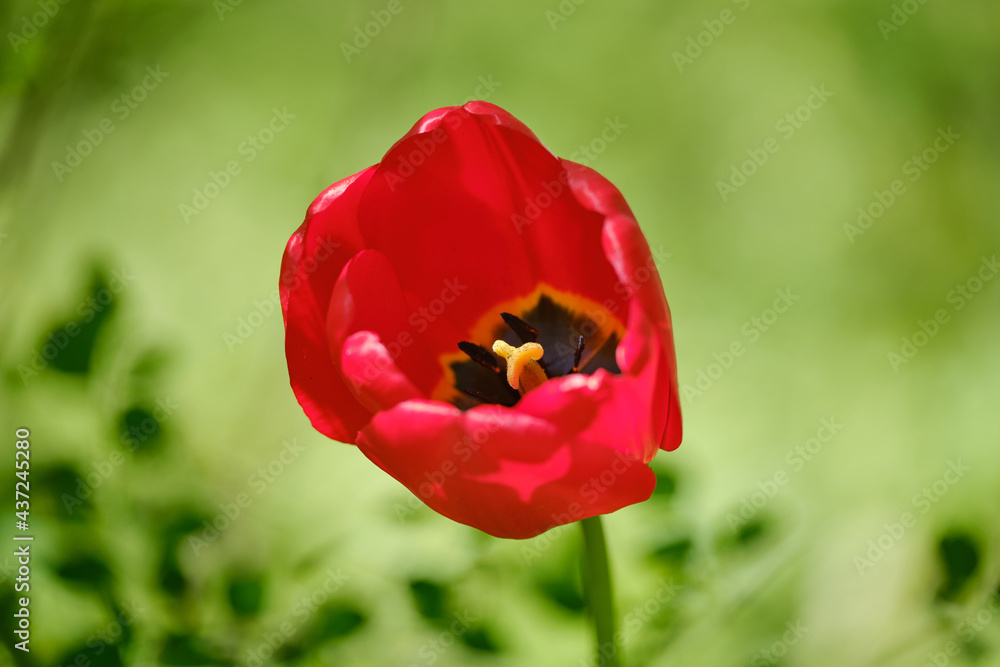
x: 523, y: 371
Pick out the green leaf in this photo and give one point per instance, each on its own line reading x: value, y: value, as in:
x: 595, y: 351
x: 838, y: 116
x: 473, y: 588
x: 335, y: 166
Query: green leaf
x: 139, y: 429
x: 480, y: 638
x: 85, y: 569
x: 431, y: 599
x: 666, y: 483
x: 69, y: 344
x: 246, y: 595
x: 673, y: 553
x: 338, y: 620
x: 94, y: 653
x: 186, y: 650
x: 564, y: 590
x: 959, y: 554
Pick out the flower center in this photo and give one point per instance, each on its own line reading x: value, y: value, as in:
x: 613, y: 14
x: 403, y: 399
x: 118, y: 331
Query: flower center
x: 574, y: 334
x: 523, y: 371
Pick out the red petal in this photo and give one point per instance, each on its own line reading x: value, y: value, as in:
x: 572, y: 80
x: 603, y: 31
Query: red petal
x: 611, y: 409
x: 448, y: 206
x: 370, y: 370
x: 595, y: 192
x: 562, y: 237
x: 313, y: 260
x: 485, y: 111
x: 368, y: 298
x: 438, y: 209
x: 566, y: 452
x: 648, y: 348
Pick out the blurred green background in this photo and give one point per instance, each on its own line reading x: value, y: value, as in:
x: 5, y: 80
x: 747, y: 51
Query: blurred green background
x: 749, y: 135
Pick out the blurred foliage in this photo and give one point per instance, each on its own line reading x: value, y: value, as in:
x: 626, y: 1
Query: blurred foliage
x: 959, y: 553
x: 168, y: 530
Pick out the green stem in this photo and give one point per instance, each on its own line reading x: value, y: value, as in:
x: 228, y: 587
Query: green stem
x: 597, y: 588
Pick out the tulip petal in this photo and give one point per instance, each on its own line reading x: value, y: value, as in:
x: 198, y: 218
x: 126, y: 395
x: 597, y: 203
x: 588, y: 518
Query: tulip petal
x: 487, y: 112
x: 466, y: 216
x: 594, y: 192
x: 567, y: 451
x: 437, y: 208
x: 473, y: 175
x: 370, y: 370
x: 649, y: 315
x: 368, y: 298
x: 313, y: 260
x: 647, y: 350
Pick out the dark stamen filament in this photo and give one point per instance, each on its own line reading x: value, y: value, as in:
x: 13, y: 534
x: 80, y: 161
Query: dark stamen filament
x: 480, y: 355
x: 597, y: 351
x: 576, y: 355
x: 524, y: 331
x: 503, y: 394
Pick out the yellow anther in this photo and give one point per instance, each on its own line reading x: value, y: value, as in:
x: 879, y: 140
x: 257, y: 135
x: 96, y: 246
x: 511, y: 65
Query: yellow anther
x: 523, y: 371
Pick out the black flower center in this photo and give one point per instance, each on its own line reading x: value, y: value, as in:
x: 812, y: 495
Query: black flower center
x: 577, y: 340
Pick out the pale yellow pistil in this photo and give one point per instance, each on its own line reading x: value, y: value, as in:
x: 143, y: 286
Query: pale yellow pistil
x: 523, y: 371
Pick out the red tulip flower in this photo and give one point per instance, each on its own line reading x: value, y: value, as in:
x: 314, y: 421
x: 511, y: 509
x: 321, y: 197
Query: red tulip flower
x: 486, y: 323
